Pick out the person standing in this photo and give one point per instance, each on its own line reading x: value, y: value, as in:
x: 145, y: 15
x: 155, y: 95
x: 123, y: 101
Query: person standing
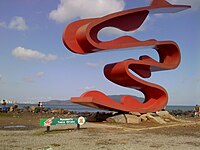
x: 41, y: 105
x: 4, y: 109
x: 38, y: 104
x: 196, y: 111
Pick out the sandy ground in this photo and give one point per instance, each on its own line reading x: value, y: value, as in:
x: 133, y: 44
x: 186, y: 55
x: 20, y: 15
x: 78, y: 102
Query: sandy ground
x: 94, y: 136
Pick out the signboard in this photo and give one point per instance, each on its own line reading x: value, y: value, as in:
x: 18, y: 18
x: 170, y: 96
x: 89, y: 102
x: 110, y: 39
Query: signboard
x: 55, y: 121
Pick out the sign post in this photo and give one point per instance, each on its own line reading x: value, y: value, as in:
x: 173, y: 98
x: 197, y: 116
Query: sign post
x: 54, y: 121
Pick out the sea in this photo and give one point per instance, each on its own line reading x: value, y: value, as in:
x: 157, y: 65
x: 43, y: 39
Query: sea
x: 79, y: 108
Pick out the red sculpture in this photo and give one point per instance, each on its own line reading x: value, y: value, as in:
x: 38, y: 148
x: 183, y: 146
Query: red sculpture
x: 81, y: 37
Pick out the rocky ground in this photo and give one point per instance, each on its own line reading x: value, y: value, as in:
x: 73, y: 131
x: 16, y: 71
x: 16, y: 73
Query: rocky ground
x: 21, y: 130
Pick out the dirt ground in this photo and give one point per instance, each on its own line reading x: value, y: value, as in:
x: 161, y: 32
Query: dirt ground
x: 22, y: 132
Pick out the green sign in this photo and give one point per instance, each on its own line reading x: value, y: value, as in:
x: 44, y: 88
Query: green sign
x: 55, y: 121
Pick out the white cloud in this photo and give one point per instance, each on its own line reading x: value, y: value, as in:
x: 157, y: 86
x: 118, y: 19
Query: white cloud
x: 32, y: 78
x: 111, y: 30
x: 50, y: 57
x: 28, y: 54
x: 194, y: 3
x: 88, y: 88
x: 0, y: 77
x: 18, y: 23
x: 40, y: 74
x: 69, y: 9
x: 2, y: 24
x: 93, y: 65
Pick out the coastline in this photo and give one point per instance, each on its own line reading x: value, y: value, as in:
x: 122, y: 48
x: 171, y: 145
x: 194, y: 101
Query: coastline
x: 79, y: 108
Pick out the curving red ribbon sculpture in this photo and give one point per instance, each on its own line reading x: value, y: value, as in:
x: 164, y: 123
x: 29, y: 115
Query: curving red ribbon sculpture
x: 81, y: 37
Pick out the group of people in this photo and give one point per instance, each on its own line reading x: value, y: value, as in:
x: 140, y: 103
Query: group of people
x: 40, y: 104
x: 4, y: 108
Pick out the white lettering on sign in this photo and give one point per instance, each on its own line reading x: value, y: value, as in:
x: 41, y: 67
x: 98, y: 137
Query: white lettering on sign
x: 70, y: 122
x: 66, y: 119
x: 61, y: 122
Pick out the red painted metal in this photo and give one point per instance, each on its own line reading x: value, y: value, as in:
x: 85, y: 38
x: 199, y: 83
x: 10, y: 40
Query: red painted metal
x: 81, y: 37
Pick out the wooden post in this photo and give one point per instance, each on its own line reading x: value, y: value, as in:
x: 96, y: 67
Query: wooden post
x: 48, y: 128
x: 78, y: 126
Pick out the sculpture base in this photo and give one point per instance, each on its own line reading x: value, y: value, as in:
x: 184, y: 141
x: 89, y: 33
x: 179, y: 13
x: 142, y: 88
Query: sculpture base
x: 98, y: 100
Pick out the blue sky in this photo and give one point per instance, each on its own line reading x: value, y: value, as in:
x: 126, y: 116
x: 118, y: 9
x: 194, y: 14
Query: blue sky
x: 35, y: 65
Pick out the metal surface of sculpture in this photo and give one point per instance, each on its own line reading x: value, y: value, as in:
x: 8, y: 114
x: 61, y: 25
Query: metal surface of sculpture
x: 81, y: 37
